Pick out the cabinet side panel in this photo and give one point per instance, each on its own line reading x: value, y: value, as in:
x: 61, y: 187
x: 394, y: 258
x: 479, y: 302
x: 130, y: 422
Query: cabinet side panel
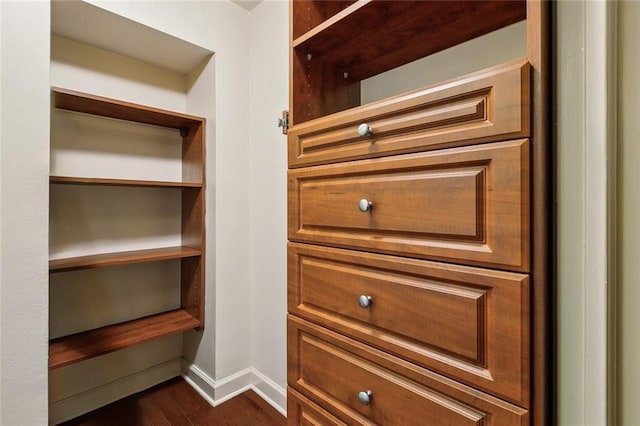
x: 538, y: 55
x: 320, y: 89
x: 193, y: 154
x: 192, y: 294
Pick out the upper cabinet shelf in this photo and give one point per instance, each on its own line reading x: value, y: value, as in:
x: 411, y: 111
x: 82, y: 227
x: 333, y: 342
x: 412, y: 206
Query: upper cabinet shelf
x: 338, y: 44
x: 354, y: 41
x: 105, y: 107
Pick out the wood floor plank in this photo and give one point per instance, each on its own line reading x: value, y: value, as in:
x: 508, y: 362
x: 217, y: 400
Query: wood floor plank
x: 170, y: 408
x: 176, y: 403
x: 151, y: 414
x: 187, y: 397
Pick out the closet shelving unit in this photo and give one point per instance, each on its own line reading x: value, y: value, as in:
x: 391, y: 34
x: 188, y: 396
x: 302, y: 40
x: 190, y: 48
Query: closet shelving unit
x: 336, y: 44
x: 73, y: 348
x: 350, y: 339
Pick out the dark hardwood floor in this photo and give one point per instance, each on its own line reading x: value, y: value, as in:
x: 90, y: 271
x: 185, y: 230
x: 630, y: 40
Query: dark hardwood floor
x: 176, y: 403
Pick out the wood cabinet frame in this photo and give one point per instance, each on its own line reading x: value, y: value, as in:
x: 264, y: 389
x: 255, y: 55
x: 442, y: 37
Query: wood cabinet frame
x: 328, y: 41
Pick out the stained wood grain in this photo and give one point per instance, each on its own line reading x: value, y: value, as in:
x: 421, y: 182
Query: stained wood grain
x: 352, y: 38
x: 121, y: 258
x: 462, y: 205
x: 192, y: 269
x: 72, y: 100
x: 331, y: 370
x: 78, y: 347
x: 192, y: 252
x: 73, y: 180
x: 332, y: 49
x: 487, y: 106
x: 542, y: 240
x: 311, y: 13
x: 468, y: 323
x: 174, y: 403
x: 351, y: 41
x: 302, y: 412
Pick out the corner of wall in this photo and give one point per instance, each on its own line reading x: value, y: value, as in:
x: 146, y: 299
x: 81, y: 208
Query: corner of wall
x: 219, y: 391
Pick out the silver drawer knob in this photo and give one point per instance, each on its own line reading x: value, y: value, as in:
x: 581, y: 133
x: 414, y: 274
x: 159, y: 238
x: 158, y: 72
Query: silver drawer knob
x: 365, y: 205
x: 365, y: 130
x: 365, y: 301
x: 365, y: 397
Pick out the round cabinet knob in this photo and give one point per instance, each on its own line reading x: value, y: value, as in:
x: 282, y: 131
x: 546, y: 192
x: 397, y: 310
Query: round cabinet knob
x: 365, y: 205
x: 365, y: 130
x: 365, y: 397
x: 365, y: 301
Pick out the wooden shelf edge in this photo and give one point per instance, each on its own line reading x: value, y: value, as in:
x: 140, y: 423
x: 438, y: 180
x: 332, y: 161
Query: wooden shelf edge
x: 72, y: 100
x: 73, y: 180
x: 121, y: 258
x: 78, y: 347
x: 352, y: 42
x: 319, y: 29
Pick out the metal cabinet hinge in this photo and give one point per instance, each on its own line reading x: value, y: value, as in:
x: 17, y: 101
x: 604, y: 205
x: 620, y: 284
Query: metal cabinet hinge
x: 284, y: 122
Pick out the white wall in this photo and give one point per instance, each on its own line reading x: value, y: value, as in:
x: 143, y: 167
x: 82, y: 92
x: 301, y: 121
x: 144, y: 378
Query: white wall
x: 248, y: 231
x: 24, y: 164
x: 244, y: 340
x: 583, y: 147
x: 221, y: 27
x: 571, y: 219
x: 85, y: 220
x: 628, y: 373
x: 268, y: 82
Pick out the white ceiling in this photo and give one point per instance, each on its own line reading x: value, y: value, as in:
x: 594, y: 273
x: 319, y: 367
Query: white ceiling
x: 247, y: 4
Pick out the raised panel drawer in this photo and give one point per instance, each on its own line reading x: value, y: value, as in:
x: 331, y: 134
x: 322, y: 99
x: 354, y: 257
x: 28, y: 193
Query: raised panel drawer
x: 463, y: 205
x: 470, y: 324
x: 487, y: 106
x: 331, y: 370
x: 302, y: 412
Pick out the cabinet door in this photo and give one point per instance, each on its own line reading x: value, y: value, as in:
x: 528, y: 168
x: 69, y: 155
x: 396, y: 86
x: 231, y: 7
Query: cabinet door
x: 463, y: 205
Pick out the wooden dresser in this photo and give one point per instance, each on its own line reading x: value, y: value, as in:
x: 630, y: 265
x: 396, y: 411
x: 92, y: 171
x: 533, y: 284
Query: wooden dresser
x: 417, y: 225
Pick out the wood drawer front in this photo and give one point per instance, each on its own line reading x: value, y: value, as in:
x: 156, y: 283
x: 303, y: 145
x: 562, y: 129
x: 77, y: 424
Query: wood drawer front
x: 489, y: 106
x: 302, y: 412
x: 331, y: 370
x: 462, y: 205
x: 470, y: 324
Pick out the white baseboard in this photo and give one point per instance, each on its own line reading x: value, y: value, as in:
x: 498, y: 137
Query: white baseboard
x: 214, y: 391
x: 92, y: 399
x: 271, y: 392
x: 218, y: 391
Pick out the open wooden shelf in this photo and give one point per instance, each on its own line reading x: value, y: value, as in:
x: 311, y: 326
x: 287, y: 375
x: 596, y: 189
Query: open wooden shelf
x: 310, y: 13
x: 335, y: 47
x: 106, y: 107
x: 72, y: 180
x: 353, y: 39
x: 121, y: 258
x: 78, y: 347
